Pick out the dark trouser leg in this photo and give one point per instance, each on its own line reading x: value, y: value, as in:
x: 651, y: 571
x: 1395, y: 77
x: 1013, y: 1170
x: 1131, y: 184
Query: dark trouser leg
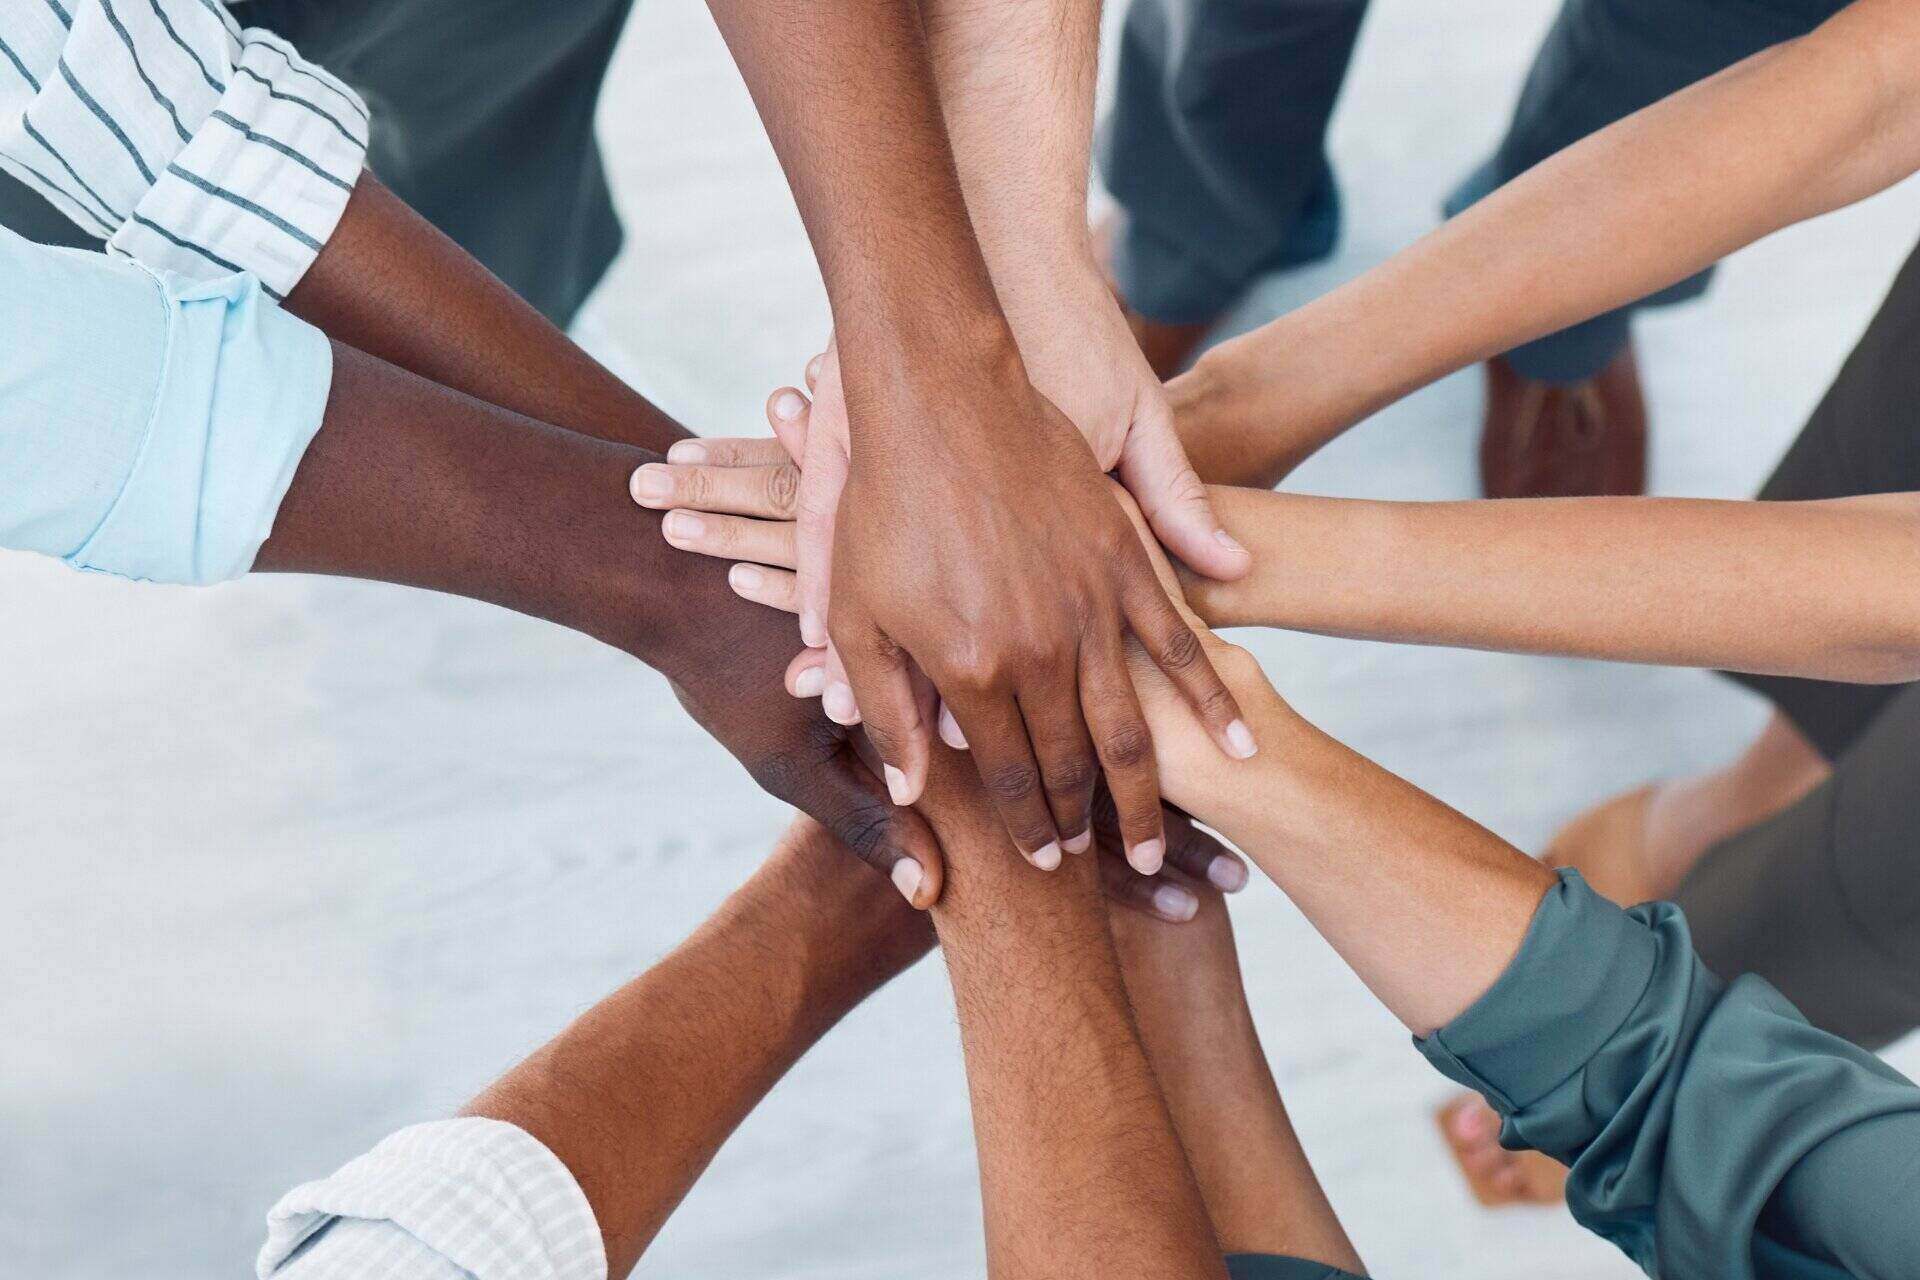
x: 1824, y: 900
x: 483, y: 122
x: 1603, y: 60
x: 1271, y: 1266
x: 26, y: 212
x: 1216, y: 147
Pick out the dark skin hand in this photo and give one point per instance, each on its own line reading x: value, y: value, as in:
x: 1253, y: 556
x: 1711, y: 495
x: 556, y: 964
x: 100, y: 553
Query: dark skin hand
x: 410, y: 482
x: 389, y: 283
x: 977, y: 541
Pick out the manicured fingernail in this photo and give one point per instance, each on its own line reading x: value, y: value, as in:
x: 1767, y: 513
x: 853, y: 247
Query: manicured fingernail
x: 813, y: 632
x: 687, y: 526
x: 1047, y: 856
x: 745, y: 578
x: 1228, y: 541
x: 1147, y: 856
x: 691, y: 452
x: 787, y: 405
x: 896, y: 784
x: 906, y: 877
x: 1080, y: 843
x: 1240, y: 740
x: 839, y: 704
x: 950, y: 731
x: 810, y: 683
x: 1175, y: 903
x: 651, y: 483
x: 1228, y: 875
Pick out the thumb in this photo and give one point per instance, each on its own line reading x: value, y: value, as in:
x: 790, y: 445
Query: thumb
x: 1154, y: 467
x: 894, y: 840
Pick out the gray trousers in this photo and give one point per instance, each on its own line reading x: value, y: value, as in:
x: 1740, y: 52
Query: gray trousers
x: 1216, y: 146
x: 482, y: 121
x: 1824, y: 899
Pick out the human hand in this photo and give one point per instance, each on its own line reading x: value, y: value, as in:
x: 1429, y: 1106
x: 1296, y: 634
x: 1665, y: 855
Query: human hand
x: 742, y: 481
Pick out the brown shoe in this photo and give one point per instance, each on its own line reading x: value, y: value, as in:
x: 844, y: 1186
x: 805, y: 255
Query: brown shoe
x: 1168, y: 347
x: 1547, y: 440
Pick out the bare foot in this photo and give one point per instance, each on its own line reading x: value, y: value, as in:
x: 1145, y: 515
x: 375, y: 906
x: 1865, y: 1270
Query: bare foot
x: 1632, y: 848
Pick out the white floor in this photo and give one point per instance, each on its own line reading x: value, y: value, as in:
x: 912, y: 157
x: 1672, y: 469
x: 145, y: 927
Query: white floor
x: 289, y: 863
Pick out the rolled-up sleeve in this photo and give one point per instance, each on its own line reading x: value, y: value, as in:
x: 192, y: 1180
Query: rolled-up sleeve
x: 1708, y: 1129
x: 177, y: 136
x: 149, y: 424
x: 465, y: 1199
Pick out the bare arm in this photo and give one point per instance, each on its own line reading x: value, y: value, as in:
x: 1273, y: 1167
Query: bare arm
x: 1829, y: 590
x: 639, y: 1093
x: 1792, y: 132
x: 1080, y: 1168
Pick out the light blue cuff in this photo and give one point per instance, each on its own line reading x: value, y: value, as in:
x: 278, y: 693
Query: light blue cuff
x: 149, y: 424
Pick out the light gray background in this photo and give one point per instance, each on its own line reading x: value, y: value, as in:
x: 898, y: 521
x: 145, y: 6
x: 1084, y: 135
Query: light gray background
x: 291, y: 863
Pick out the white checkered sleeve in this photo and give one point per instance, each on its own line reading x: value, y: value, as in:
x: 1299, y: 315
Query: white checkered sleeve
x: 466, y: 1199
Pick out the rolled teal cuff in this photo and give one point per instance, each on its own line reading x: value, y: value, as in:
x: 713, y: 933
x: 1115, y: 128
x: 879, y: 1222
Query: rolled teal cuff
x: 1579, y: 974
x: 1273, y: 1266
x: 241, y: 393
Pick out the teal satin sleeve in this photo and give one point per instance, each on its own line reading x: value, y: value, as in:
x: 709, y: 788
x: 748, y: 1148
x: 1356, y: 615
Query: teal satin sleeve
x: 149, y: 424
x: 1709, y: 1131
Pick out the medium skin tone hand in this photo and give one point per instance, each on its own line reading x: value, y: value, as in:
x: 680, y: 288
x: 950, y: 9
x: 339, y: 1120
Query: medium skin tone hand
x: 1015, y: 600
x: 1792, y: 132
x: 1072, y: 1133
x: 1783, y: 588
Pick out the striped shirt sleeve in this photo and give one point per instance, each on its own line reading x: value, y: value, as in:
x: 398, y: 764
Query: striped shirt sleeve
x: 176, y: 135
x: 465, y: 1199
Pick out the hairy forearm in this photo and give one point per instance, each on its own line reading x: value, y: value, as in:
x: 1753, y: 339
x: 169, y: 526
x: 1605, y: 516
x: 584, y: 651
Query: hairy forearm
x: 1425, y: 905
x: 1827, y: 590
x: 1792, y: 132
x: 637, y: 1095
x: 1080, y: 1168
x: 1016, y: 81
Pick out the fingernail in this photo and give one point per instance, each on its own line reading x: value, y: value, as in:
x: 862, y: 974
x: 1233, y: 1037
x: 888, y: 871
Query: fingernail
x: 745, y: 577
x: 1079, y: 843
x: 896, y: 783
x: 787, y: 405
x: 687, y: 451
x: 810, y: 682
x: 812, y: 632
x: 1147, y: 856
x: 950, y: 731
x: 1240, y: 740
x: 1226, y: 540
x: 840, y: 705
x: 652, y: 482
x: 906, y: 878
x: 1047, y: 856
x: 1228, y: 875
x: 1175, y: 903
x: 687, y: 526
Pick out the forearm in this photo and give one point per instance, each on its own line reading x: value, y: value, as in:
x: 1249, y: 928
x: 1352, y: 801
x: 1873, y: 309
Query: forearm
x: 1426, y: 906
x: 1074, y: 1138
x: 1815, y: 589
x: 849, y: 101
x: 640, y: 1092
x: 391, y: 284
x: 1016, y: 82
x: 1792, y: 132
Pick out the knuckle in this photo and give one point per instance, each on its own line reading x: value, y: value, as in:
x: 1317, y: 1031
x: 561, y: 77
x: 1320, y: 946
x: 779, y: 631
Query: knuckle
x: 1012, y: 782
x: 1126, y: 746
x: 1071, y: 776
x: 1180, y: 649
x: 782, y: 489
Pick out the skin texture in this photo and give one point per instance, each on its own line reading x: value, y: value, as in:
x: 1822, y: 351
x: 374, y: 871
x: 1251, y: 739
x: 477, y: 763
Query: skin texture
x: 637, y: 1095
x: 1786, y: 588
x: 1790, y: 133
x: 1071, y: 1129
x: 1014, y: 608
